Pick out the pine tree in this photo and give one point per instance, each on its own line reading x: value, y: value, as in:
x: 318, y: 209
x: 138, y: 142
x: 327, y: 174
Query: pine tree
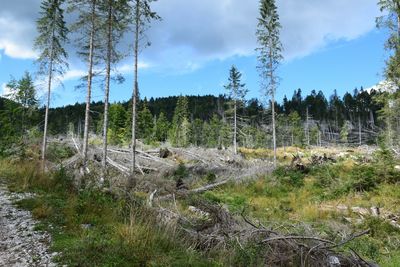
x: 142, y: 17
x: 53, y: 57
x: 237, y: 92
x: 269, y: 57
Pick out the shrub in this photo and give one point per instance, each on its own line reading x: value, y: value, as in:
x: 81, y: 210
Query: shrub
x: 289, y: 177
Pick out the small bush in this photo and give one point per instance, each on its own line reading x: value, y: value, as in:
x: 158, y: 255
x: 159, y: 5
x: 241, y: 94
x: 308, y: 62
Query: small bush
x: 57, y: 152
x: 181, y: 172
x: 288, y: 177
x: 210, y: 177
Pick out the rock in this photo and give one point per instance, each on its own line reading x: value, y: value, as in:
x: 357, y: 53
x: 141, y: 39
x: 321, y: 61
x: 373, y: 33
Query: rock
x: 20, y: 245
x: 333, y: 261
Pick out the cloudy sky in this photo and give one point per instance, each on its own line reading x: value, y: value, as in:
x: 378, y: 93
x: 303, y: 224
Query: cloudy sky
x: 330, y: 44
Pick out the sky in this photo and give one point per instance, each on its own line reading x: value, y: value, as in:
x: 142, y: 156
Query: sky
x: 328, y: 45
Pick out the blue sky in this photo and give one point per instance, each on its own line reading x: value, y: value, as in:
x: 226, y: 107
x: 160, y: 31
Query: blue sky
x: 328, y: 46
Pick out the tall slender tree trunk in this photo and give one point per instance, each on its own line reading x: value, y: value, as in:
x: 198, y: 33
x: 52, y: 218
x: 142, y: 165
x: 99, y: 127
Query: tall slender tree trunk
x: 273, y: 123
x: 235, y: 128
x: 107, y: 93
x: 89, y: 86
x: 359, y: 131
x: 46, y: 116
x: 273, y: 107
x: 308, y: 128
x: 135, y: 95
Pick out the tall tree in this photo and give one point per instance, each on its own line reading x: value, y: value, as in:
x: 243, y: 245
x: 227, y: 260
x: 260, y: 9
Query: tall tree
x: 23, y: 92
x: 270, y: 54
x: 142, y: 16
x: 116, y: 23
x: 87, y: 25
x: 52, y: 61
x: 237, y: 91
x: 178, y: 133
x: 391, y: 21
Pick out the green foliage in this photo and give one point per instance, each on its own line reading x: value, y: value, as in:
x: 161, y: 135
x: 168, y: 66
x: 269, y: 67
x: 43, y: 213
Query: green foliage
x: 288, y: 177
x: 297, y: 132
x: 145, y: 124
x: 58, y: 153
x: 210, y: 177
x: 181, y: 172
x: 93, y: 228
x: 161, y: 128
x: 179, y: 132
x: 52, y: 36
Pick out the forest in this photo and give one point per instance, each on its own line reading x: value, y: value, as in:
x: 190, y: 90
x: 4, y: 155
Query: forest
x: 194, y: 180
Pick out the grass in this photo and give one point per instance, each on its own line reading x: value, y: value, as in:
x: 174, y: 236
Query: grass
x: 92, y: 228
x: 288, y: 197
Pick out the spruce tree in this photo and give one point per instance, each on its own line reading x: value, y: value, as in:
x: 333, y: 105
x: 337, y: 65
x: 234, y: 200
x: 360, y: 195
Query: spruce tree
x: 161, y: 128
x: 145, y: 123
x: 391, y: 101
x: 181, y: 118
x: 237, y: 92
x: 269, y: 54
x: 23, y: 92
x: 142, y: 16
x: 87, y: 25
x: 50, y: 42
x: 115, y: 25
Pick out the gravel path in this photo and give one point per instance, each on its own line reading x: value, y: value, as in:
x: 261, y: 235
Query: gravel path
x: 20, y: 245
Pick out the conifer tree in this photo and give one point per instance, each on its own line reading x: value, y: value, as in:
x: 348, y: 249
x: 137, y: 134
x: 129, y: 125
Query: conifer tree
x: 391, y: 101
x: 181, y: 118
x: 161, y: 128
x: 145, y: 123
x: 87, y: 24
x: 142, y: 16
x: 23, y: 92
x: 269, y: 54
x: 50, y: 42
x: 237, y: 92
x: 116, y: 23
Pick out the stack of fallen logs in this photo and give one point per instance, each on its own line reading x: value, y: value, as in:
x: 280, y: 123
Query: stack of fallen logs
x: 212, y: 227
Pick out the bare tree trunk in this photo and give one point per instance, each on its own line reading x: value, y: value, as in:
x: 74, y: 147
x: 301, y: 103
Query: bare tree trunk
x: 135, y: 95
x: 235, y: 129
x: 308, y: 129
x: 273, y: 108
x: 273, y: 124
x: 46, y: 116
x: 359, y: 131
x: 89, y: 86
x: 107, y: 94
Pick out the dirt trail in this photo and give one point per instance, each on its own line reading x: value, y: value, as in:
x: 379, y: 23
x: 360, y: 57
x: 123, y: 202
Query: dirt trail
x: 20, y: 245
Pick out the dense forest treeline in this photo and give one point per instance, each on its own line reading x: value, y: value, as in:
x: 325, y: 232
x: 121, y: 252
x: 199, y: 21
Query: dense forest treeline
x: 312, y: 119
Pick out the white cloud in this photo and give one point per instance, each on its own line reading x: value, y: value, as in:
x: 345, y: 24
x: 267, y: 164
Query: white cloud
x: 128, y: 68
x: 194, y: 32
x: 73, y: 74
x: 5, y: 91
x: 17, y: 28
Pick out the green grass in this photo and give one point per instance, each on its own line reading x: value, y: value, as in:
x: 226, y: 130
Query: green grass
x: 288, y: 196
x: 92, y: 228
x: 126, y: 234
